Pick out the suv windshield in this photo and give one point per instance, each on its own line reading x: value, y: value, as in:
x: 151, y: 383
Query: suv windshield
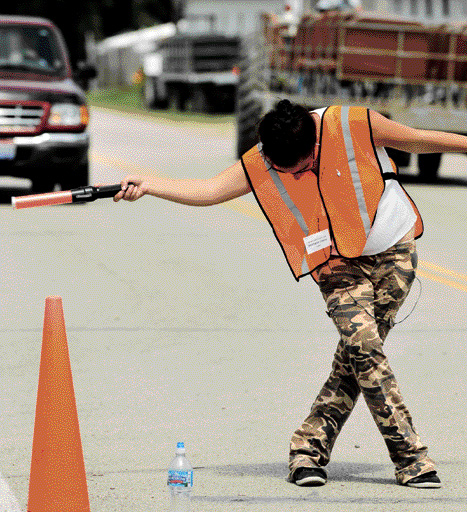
x: 30, y: 48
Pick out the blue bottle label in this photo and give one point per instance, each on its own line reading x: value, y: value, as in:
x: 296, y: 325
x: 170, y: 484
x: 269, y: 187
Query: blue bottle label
x: 180, y: 478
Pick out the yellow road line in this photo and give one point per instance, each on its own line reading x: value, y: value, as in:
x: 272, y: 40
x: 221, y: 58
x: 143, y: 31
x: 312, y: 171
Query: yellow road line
x: 428, y: 270
x: 244, y: 207
x: 441, y: 270
x: 438, y: 279
x: 117, y: 162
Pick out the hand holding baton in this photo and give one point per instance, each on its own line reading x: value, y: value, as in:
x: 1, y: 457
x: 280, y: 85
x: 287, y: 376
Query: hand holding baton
x: 76, y: 195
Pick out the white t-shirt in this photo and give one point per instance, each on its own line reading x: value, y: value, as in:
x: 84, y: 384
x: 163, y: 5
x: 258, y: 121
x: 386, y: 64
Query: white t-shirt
x: 394, y: 218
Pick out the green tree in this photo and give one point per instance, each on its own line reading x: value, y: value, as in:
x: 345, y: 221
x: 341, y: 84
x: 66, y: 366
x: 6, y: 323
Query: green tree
x: 101, y: 17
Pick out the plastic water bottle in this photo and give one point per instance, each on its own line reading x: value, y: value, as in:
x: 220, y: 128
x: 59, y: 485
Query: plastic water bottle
x: 180, y: 481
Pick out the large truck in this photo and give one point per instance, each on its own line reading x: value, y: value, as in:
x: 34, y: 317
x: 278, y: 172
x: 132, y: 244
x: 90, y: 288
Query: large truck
x: 412, y: 73
x: 193, y: 72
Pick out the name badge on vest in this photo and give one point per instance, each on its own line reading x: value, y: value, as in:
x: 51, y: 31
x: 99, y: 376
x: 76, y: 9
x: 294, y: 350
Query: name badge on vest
x: 317, y: 241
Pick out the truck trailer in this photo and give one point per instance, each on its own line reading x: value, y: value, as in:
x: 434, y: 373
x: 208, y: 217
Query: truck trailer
x: 412, y: 73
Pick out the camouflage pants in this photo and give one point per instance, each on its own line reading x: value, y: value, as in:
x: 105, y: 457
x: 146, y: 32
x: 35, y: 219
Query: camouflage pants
x: 379, y: 284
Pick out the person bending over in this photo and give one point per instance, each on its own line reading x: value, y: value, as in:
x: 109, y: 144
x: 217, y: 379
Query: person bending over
x: 332, y: 197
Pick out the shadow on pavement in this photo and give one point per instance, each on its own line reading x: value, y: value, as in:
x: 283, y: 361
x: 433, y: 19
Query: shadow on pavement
x: 337, y: 471
x: 6, y: 193
x: 440, y: 182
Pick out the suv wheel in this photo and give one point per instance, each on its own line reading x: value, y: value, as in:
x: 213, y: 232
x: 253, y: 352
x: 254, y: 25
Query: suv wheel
x: 79, y: 177
x: 42, y: 184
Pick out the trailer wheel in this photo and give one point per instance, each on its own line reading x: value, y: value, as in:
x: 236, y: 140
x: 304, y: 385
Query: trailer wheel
x: 401, y: 158
x: 248, y: 116
x: 428, y: 166
x: 249, y: 111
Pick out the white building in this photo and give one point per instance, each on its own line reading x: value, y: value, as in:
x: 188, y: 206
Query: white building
x: 428, y: 11
x: 119, y: 57
x: 228, y: 17
x: 238, y: 17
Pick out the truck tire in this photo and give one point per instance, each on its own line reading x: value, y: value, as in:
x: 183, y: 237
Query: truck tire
x: 149, y: 93
x: 175, y: 97
x: 198, y: 101
x: 428, y: 166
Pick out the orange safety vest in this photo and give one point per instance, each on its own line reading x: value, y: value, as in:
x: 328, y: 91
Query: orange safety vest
x: 341, y: 202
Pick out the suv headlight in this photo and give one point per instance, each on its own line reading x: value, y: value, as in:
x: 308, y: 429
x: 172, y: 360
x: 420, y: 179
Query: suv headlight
x: 68, y: 115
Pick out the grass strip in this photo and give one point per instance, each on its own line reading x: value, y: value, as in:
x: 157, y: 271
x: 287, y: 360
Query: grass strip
x: 130, y: 99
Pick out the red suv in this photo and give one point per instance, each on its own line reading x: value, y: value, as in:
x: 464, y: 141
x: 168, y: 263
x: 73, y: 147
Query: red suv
x: 43, y: 111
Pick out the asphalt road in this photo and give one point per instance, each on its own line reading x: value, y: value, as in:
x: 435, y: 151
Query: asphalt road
x: 185, y: 324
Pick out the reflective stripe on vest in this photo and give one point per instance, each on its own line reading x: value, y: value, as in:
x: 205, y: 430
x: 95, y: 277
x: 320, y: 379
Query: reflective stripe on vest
x: 350, y: 177
x: 289, y: 203
x: 357, y: 184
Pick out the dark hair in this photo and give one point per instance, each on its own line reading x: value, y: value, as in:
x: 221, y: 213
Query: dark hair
x: 287, y: 133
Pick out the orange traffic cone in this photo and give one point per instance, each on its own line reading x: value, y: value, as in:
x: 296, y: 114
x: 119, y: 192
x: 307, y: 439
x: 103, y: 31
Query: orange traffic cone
x: 58, y: 479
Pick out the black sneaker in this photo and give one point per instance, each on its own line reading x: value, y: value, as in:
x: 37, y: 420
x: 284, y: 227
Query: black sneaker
x: 426, y: 481
x: 309, y: 477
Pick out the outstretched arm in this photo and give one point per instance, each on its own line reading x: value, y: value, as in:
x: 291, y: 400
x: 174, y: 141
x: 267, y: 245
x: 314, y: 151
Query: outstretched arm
x: 227, y: 185
x: 390, y: 134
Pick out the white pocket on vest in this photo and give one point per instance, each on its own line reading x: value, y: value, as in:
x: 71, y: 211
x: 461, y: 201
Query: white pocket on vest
x: 317, y: 241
